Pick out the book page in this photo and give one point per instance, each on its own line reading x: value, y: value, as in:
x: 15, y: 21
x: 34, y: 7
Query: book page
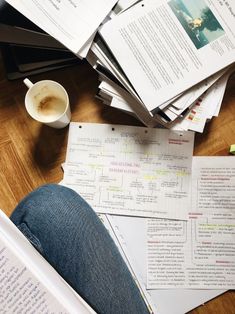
x: 166, y: 47
x: 28, y: 283
x: 20, y: 291
x: 130, y: 170
x: 199, y: 253
x: 72, y: 22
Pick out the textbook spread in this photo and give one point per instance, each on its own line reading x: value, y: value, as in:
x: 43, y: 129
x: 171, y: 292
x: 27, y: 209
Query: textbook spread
x: 28, y: 284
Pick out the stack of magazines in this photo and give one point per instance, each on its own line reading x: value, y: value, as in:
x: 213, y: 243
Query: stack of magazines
x: 165, y: 62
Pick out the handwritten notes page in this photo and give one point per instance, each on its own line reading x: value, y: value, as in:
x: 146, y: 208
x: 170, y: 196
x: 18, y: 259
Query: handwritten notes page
x: 131, y: 233
x: 199, y: 253
x: 72, y: 22
x: 127, y: 170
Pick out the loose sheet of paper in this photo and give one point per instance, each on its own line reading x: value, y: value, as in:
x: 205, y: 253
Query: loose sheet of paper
x: 127, y: 170
x: 199, y: 253
x: 131, y: 233
x: 111, y: 226
x: 70, y: 22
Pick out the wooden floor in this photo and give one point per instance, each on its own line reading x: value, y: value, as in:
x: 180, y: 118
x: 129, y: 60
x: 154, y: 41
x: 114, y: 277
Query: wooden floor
x: 31, y: 154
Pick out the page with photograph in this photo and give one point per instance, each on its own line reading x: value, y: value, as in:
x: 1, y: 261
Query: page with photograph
x: 165, y: 47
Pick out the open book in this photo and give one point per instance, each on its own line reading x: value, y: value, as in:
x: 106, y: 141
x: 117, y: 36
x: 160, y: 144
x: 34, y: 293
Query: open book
x: 27, y: 282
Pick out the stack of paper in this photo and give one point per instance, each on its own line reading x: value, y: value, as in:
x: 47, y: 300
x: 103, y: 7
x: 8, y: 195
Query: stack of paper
x: 169, y: 213
x: 73, y: 23
x: 165, y: 62
x: 158, y: 65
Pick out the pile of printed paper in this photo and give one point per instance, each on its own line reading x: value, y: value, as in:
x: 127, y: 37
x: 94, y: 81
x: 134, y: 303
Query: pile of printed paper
x: 152, y: 66
x: 166, y: 63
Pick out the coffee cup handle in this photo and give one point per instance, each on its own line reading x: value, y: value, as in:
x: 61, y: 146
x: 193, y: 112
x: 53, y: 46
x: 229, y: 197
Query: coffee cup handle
x: 28, y: 83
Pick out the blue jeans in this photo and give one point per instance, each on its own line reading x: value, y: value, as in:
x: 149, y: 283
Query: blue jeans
x: 70, y: 236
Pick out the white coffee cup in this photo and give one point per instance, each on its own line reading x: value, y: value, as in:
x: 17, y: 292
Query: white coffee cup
x: 48, y: 102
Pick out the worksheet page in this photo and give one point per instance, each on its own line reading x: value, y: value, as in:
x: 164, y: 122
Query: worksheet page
x: 198, y: 253
x: 130, y: 170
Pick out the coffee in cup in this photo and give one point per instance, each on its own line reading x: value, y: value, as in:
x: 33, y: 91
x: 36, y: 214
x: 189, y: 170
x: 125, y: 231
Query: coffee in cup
x: 48, y: 102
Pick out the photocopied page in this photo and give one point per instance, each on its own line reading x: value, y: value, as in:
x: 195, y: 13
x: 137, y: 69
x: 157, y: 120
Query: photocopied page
x: 72, y: 22
x: 165, y: 47
x: 130, y: 170
x: 28, y: 284
x: 198, y: 253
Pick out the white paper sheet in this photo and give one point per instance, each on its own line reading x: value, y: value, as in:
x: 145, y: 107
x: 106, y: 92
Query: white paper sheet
x: 130, y: 170
x: 113, y: 230
x: 199, y: 253
x: 131, y: 233
x: 14, y: 275
x: 70, y: 22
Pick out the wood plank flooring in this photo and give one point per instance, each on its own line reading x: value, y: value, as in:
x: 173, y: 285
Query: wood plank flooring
x: 31, y: 154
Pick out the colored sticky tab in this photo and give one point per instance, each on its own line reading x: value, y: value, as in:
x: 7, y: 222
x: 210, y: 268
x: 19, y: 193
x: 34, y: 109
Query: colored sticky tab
x: 232, y: 149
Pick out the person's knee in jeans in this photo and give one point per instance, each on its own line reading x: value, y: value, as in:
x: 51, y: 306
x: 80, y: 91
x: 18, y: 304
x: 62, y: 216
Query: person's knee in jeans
x: 68, y: 233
